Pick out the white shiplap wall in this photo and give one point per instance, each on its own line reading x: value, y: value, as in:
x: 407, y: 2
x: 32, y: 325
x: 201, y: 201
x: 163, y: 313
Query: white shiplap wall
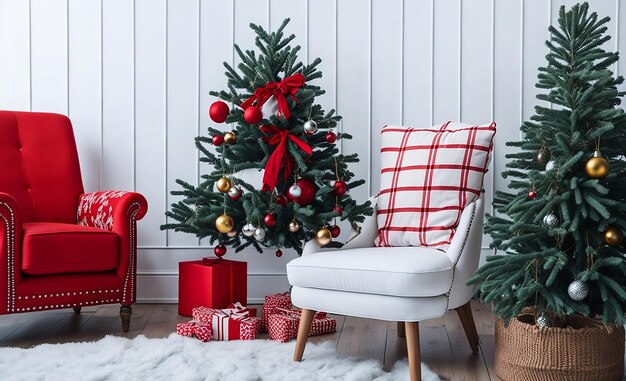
x: 134, y: 77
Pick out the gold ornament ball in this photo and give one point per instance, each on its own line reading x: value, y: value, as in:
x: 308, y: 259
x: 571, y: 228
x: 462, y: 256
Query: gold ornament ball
x: 224, y: 223
x: 223, y: 184
x: 597, y: 167
x: 613, y: 236
x: 230, y: 137
x: 323, y: 237
x: 294, y: 226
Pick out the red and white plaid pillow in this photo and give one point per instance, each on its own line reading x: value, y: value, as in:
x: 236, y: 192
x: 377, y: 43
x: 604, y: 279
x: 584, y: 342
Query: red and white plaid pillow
x: 428, y: 176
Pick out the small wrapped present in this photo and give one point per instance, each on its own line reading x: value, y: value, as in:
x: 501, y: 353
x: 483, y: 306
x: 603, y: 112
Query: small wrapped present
x: 204, y: 314
x: 283, y: 324
x: 186, y: 329
x: 235, y: 323
x: 271, y: 303
x: 231, y: 325
x: 203, y: 332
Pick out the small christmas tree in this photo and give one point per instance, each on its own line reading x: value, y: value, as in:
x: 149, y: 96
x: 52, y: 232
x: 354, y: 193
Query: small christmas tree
x: 564, y: 217
x: 282, y: 132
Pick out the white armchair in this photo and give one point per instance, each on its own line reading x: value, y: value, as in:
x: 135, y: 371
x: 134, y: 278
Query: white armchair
x: 403, y: 284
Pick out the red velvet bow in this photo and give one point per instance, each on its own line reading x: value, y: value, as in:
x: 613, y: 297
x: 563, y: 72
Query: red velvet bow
x: 288, y: 86
x: 280, y: 155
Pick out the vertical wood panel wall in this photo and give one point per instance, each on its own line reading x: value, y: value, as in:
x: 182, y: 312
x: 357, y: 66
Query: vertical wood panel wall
x: 134, y: 77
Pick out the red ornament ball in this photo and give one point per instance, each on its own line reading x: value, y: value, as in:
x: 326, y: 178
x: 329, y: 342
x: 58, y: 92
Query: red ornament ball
x: 218, y: 111
x: 532, y: 195
x: 252, y: 115
x: 217, y: 140
x: 220, y: 250
x: 307, y: 193
x: 334, y: 231
x: 338, y: 209
x: 269, y: 220
x: 340, y: 187
x: 281, y: 200
x: 331, y: 137
x: 279, y: 253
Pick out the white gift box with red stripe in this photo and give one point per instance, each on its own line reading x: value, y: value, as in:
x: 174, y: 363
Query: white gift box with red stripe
x: 229, y: 323
x: 283, y: 324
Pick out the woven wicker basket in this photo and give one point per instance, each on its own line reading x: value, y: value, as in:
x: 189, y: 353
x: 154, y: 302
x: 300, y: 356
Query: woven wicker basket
x: 585, y: 351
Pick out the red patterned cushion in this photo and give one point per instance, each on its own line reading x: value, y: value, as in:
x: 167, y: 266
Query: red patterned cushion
x: 428, y: 176
x: 54, y: 248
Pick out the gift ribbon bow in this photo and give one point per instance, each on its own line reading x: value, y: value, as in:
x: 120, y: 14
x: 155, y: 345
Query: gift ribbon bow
x: 288, y: 86
x: 280, y: 155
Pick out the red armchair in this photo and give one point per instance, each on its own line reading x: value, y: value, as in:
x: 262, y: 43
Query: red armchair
x: 60, y: 247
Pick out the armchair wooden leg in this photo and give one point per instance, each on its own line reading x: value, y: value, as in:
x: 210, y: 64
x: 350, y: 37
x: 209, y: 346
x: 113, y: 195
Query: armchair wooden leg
x: 413, y: 349
x: 77, y: 309
x: 306, y: 318
x: 400, y: 329
x: 125, y: 312
x: 467, y: 321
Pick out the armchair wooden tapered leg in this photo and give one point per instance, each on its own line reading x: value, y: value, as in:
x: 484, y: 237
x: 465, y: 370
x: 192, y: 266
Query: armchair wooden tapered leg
x: 77, y: 310
x: 467, y: 321
x: 413, y: 350
x: 125, y: 312
x: 400, y: 329
x: 306, y: 318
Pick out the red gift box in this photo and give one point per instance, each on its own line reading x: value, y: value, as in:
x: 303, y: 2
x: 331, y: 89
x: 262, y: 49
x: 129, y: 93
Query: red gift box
x: 214, y: 283
x: 271, y: 303
x: 283, y: 325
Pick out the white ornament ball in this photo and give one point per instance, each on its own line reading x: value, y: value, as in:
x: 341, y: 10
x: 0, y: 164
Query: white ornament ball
x: 550, y: 165
x: 310, y: 126
x: 578, y: 290
x: 295, y: 191
x: 232, y: 233
x: 259, y: 234
x: 550, y: 220
x: 544, y: 321
x: 248, y: 230
x: 234, y: 191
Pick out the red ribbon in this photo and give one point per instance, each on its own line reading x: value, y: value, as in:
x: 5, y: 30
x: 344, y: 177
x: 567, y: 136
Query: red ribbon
x: 280, y: 155
x: 288, y: 86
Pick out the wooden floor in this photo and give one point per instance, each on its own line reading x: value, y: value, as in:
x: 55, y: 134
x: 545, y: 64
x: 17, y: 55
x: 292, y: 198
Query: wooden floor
x: 444, y: 346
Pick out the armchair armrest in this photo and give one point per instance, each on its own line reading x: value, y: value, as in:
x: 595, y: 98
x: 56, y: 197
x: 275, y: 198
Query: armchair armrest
x: 10, y: 250
x: 464, y: 252
x: 117, y: 211
x: 110, y: 210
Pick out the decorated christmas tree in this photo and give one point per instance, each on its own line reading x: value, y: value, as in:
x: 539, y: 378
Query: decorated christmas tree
x: 560, y: 225
x: 282, y: 136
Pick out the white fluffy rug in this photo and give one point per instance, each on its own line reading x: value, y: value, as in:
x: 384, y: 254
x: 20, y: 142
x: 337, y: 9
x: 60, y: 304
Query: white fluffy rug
x: 181, y: 358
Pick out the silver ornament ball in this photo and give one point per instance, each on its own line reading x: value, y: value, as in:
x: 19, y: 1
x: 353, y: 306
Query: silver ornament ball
x: 578, y: 290
x: 234, y: 191
x: 544, y: 321
x: 310, y: 126
x: 259, y: 234
x: 551, y: 220
x: 248, y: 230
x: 295, y: 191
x: 543, y: 156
